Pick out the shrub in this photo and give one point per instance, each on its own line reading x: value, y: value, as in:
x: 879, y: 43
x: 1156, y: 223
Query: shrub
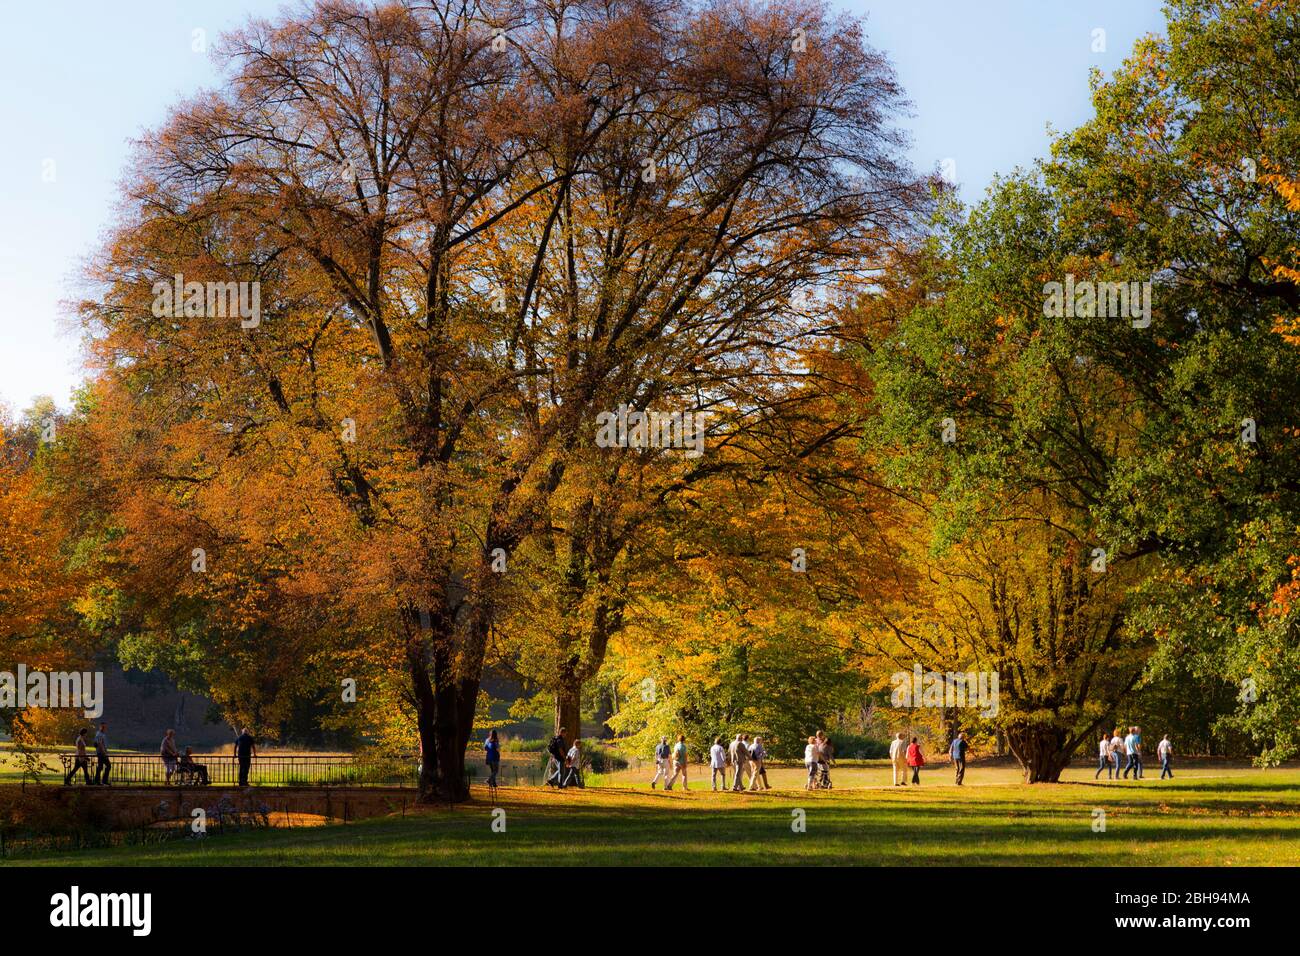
x: 858, y: 747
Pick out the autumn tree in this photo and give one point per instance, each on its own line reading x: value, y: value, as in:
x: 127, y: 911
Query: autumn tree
x: 48, y: 609
x: 460, y: 260
x: 1186, y: 175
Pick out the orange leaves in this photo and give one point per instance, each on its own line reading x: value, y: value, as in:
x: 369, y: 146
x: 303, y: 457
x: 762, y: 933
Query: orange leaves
x: 37, y: 589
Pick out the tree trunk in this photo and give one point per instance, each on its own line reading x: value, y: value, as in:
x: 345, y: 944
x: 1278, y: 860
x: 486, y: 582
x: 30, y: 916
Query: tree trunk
x: 1043, y: 752
x: 952, y: 722
x: 568, y: 704
x: 444, y: 709
x: 425, y: 708
x: 606, y: 709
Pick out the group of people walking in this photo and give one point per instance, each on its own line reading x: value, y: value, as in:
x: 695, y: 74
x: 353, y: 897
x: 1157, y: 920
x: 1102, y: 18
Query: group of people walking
x: 1114, y: 749
x: 740, y: 756
x: 81, y: 760
x: 173, y: 760
x: 905, y: 757
x: 818, y: 754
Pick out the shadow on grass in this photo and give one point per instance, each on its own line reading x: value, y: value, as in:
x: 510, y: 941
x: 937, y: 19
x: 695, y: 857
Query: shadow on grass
x: 667, y: 831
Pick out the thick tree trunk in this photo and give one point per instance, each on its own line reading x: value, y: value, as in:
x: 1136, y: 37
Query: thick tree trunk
x: 425, y: 708
x: 1043, y: 752
x: 449, y: 784
x: 568, y: 704
x: 444, y: 707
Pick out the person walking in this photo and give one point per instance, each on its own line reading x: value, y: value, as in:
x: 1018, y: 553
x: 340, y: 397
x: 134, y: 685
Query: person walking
x: 492, y: 754
x: 245, y: 751
x: 81, y: 761
x: 1134, y: 742
x: 915, y: 760
x: 662, y: 754
x: 957, y: 753
x: 680, y: 758
x: 573, y: 766
x: 1130, y: 750
x: 739, y: 752
x: 1165, y: 751
x: 102, y: 764
x: 1103, y: 755
x: 559, y: 753
x: 718, y: 762
x: 898, y: 759
x: 169, y: 753
x: 825, y: 755
x: 810, y: 761
x: 758, y: 765
x: 1117, y: 751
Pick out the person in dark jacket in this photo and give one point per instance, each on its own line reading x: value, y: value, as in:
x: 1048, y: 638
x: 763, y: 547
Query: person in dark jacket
x: 957, y: 752
x: 245, y: 751
x: 102, y: 764
x: 492, y: 751
x: 197, y: 769
x: 663, y: 759
x: 559, y: 751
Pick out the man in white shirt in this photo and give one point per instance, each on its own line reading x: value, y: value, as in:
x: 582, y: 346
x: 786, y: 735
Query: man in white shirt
x: 898, y: 757
x: 1118, y: 752
x: 718, y: 763
x: 81, y: 762
x: 1165, y: 751
x: 1103, y: 757
x: 573, y: 766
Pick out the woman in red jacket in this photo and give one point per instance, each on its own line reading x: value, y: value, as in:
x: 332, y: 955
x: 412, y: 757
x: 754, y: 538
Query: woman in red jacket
x: 915, y: 760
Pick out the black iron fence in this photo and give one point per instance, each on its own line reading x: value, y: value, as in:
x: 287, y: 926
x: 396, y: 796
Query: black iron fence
x: 518, y: 769
x: 143, y: 770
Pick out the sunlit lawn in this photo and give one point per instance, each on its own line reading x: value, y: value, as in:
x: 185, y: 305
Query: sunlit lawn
x: 1206, y: 816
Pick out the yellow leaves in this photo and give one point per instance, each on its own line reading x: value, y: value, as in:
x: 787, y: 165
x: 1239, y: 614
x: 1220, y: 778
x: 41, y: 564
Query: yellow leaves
x: 1288, y: 189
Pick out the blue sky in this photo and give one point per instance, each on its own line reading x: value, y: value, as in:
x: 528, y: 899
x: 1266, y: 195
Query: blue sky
x: 82, y: 77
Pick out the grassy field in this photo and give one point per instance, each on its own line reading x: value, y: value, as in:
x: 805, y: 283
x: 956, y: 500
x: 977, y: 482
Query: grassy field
x: 1209, y: 815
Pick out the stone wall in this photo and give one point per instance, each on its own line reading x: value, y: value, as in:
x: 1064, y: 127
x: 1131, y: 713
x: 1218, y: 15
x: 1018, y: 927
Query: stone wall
x: 130, y: 807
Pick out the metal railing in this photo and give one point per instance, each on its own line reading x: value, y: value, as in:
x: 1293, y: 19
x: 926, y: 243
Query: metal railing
x: 143, y: 770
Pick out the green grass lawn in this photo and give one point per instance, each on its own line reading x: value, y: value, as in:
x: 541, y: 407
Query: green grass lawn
x: 1207, y: 816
